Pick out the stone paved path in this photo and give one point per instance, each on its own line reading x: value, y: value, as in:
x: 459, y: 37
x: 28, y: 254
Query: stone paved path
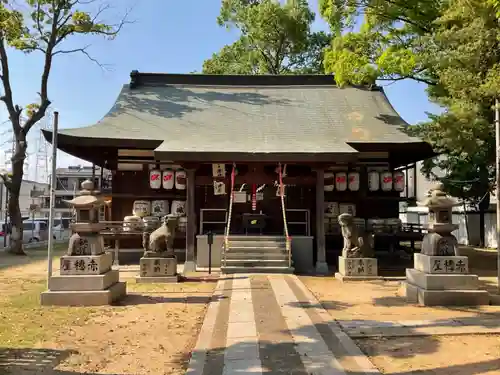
x: 272, y: 324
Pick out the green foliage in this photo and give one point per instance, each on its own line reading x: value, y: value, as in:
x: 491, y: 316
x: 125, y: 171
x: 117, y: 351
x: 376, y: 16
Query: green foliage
x: 275, y: 39
x: 39, y: 26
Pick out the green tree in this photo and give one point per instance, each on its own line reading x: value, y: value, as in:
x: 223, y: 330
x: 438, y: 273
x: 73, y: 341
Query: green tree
x: 275, y: 38
x: 38, y: 26
x: 453, y: 47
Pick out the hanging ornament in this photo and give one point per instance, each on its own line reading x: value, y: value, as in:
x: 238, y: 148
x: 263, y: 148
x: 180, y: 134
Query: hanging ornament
x: 219, y: 188
x: 254, y: 197
x: 218, y: 170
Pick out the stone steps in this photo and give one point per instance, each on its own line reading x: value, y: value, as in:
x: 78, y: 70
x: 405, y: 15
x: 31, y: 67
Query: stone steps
x: 256, y: 254
x: 256, y: 269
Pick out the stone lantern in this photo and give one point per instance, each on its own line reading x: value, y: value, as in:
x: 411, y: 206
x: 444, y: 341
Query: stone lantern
x: 86, y: 278
x: 440, y: 277
x: 439, y: 241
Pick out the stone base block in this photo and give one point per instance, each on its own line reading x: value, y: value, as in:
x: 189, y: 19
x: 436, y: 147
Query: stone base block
x: 84, y: 298
x: 415, y: 294
x: 86, y: 264
x: 410, y: 292
x: 441, y: 281
x: 156, y: 279
x: 441, y: 264
x: 152, y: 267
x: 83, y: 282
x: 494, y: 299
x: 358, y: 266
x: 344, y: 278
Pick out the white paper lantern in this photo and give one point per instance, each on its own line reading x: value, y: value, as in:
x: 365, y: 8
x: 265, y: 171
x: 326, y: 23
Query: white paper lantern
x: 155, y: 179
x: 353, y: 178
x: 141, y: 208
x: 159, y: 208
x: 386, y: 180
x: 341, y: 181
x: 180, y: 179
x: 373, y: 181
x: 399, y: 181
x: 329, y: 181
x: 178, y: 207
x: 218, y: 170
x: 168, y: 179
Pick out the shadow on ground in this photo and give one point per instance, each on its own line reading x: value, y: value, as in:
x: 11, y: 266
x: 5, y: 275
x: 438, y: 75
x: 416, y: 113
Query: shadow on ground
x: 28, y: 361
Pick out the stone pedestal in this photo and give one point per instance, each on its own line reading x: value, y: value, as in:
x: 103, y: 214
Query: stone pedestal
x: 84, y: 280
x: 442, y: 281
x: 158, y: 270
x: 351, y: 269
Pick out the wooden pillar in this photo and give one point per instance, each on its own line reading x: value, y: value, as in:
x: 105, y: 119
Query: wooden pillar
x: 190, y: 265
x: 321, y: 265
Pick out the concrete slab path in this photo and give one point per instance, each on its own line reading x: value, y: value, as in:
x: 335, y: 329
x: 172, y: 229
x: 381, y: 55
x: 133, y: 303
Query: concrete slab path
x: 272, y: 324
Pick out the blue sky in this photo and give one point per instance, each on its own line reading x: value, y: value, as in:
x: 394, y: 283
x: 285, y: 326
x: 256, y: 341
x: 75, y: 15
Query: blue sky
x: 166, y: 36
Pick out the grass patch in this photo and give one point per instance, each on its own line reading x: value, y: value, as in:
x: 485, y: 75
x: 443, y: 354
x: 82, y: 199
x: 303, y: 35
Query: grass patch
x: 24, y: 323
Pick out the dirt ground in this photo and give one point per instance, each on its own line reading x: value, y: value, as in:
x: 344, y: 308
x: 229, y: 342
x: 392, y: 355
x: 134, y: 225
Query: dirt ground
x: 151, y: 332
x: 437, y: 355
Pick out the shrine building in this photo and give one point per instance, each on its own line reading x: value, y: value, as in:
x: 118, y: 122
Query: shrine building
x: 261, y: 162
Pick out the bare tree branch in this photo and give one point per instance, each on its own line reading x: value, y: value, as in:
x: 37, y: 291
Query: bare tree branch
x: 82, y: 50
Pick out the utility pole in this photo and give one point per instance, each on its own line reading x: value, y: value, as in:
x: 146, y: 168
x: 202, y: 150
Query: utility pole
x: 497, y: 139
x: 52, y: 197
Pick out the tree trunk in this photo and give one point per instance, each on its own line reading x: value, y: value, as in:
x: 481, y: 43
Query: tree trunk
x: 16, y: 220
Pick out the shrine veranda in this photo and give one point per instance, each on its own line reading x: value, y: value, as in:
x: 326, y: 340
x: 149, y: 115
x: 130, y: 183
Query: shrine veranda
x: 180, y: 142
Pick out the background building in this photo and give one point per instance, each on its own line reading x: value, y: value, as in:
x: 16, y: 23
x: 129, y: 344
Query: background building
x: 30, y: 197
x: 68, y: 182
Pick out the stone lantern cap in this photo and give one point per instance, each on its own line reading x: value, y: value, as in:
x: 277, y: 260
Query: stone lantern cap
x: 88, y: 197
x: 438, y: 199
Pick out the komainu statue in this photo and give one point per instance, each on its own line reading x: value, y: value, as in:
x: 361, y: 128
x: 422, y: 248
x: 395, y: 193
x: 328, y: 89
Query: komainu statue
x: 160, y: 243
x: 355, y: 245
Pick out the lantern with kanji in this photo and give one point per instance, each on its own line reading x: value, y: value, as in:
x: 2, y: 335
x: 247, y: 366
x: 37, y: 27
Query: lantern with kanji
x: 180, y: 179
x: 353, y: 181
x: 399, y: 180
x: 329, y: 181
x: 341, y: 181
x: 386, y: 180
x: 168, y: 179
x: 155, y: 178
x: 373, y: 181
